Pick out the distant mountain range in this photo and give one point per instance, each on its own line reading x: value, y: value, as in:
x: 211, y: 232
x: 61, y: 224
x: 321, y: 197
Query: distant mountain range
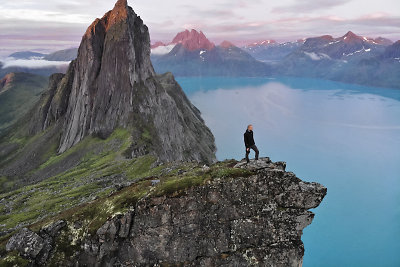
x: 270, y: 50
x: 61, y: 55
x: 27, y: 55
x: 350, y: 58
x: 190, y: 53
x: 38, y: 63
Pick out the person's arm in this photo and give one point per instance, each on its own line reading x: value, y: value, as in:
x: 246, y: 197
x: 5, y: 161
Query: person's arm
x: 246, y: 142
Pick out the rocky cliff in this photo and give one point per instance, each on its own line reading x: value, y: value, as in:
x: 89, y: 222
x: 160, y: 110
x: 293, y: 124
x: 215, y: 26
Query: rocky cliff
x: 112, y: 84
x: 246, y: 215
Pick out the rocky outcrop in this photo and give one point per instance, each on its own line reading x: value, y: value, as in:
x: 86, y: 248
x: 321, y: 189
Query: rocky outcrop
x: 33, y: 246
x: 112, y: 84
x: 243, y: 221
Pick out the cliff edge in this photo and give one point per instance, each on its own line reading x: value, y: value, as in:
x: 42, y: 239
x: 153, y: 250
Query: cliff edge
x: 238, y: 215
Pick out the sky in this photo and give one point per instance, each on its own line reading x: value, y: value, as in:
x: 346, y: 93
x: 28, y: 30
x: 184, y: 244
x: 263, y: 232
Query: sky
x: 43, y: 25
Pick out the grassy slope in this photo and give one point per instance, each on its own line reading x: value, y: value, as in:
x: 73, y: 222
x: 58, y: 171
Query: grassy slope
x: 21, y: 95
x: 103, y: 184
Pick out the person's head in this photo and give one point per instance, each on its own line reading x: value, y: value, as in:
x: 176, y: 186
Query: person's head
x: 250, y: 127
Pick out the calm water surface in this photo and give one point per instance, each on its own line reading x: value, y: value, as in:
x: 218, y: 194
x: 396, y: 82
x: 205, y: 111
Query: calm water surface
x: 346, y: 137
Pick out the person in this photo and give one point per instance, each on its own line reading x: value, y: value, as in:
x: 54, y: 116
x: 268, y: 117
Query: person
x: 249, y: 142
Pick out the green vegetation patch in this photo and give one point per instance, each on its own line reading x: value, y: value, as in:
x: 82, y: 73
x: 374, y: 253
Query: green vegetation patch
x: 92, y: 178
x: 185, y: 178
x: 22, y: 93
x: 12, y: 259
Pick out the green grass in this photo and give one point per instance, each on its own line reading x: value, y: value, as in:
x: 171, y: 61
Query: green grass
x: 13, y: 260
x: 21, y: 94
x: 93, y: 214
x: 86, y: 144
x: 194, y: 176
x: 82, y: 183
x: 5, y: 184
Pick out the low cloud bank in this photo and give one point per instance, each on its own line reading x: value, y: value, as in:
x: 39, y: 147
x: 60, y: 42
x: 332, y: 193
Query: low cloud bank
x: 33, y: 63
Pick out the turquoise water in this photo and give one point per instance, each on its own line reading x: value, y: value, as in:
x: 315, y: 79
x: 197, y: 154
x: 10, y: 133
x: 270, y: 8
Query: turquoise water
x: 346, y: 137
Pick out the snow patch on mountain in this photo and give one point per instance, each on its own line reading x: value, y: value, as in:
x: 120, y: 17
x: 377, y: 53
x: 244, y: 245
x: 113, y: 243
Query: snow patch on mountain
x: 357, y: 51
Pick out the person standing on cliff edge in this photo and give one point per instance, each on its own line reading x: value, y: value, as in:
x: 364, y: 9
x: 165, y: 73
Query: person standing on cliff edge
x: 249, y: 142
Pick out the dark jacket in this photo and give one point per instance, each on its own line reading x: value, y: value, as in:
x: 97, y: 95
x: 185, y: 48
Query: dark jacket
x: 248, y: 139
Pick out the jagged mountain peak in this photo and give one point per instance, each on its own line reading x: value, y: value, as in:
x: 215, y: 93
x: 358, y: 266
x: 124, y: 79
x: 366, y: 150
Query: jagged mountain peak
x: 193, y: 40
x: 117, y: 14
x: 351, y: 37
x: 350, y: 34
x: 112, y: 84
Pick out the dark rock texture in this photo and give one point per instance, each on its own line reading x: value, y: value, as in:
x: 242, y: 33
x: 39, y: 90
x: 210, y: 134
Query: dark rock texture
x: 33, y: 246
x: 112, y: 84
x: 236, y: 222
x: 243, y: 221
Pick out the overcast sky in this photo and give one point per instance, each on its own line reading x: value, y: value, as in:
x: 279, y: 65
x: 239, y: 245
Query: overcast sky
x: 52, y: 25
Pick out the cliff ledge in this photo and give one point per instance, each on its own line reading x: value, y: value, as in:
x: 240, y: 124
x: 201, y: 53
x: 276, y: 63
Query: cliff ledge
x: 251, y: 214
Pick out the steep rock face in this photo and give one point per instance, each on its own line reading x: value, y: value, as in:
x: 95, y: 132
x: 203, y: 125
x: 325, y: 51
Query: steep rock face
x: 112, y: 84
x: 113, y: 57
x: 244, y: 221
x: 42, y: 111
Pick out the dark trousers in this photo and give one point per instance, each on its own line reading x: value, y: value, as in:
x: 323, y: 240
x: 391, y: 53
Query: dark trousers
x: 254, y: 147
